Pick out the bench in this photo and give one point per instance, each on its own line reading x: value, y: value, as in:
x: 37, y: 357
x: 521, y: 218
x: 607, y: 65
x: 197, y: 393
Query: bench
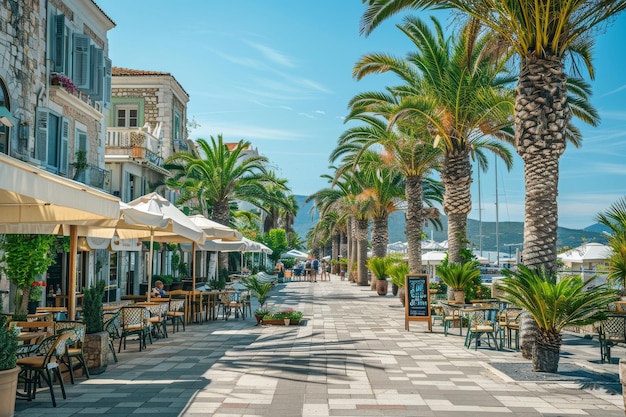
x: 611, y: 332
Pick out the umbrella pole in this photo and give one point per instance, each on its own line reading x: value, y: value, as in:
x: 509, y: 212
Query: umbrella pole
x: 193, y: 266
x: 150, y: 264
x: 71, y: 285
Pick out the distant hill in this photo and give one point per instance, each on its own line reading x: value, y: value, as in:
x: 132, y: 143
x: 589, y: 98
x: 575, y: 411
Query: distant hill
x: 511, y: 234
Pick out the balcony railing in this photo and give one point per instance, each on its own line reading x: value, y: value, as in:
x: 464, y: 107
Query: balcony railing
x: 136, y: 143
x: 94, y: 177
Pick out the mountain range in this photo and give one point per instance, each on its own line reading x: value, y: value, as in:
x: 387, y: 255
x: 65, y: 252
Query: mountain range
x: 511, y: 234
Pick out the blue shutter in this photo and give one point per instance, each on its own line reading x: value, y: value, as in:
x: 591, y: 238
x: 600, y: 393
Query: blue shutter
x: 106, y: 90
x: 81, y: 74
x: 58, y: 43
x: 41, y: 135
x: 97, y: 73
x: 63, y: 148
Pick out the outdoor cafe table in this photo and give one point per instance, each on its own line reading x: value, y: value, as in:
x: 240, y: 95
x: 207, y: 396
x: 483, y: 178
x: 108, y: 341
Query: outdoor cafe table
x: 464, y: 311
x: 59, y: 312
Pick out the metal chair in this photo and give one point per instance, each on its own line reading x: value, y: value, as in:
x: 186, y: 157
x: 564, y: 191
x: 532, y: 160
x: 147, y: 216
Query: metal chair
x: 176, y: 313
x: 134, y: 322
x: 482, y: 322
x: 41, y: 363
x: 113, y: 326
x: 451, y: 317
x: 75, y: 344
x: 611, y: 332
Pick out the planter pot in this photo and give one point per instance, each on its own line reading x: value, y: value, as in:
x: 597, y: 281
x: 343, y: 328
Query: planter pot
x: 8, y: 389
x: 281, y: 322
x: 459, y: 296
x: 382, y: 285
x: 32, y: 307
x: 622, y: 378
x: 259, y: 318
x: 287, y: 322
x: 96, y: 351
x: 402, y: 295
x: 394, y: 289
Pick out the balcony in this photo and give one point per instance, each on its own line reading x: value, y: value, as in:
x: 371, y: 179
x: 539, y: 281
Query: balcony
x: 135, y: 143
x: 94, y: 177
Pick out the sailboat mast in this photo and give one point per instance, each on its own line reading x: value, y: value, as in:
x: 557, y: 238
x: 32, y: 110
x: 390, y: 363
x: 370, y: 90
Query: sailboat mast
x: 497, y: 220
x: 480, y: 216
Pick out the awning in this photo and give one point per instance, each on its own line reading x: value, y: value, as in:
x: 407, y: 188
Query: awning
x: 33, y: 197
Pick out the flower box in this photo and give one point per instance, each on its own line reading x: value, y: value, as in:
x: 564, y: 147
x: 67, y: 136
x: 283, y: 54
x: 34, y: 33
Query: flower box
x: 281, y: 322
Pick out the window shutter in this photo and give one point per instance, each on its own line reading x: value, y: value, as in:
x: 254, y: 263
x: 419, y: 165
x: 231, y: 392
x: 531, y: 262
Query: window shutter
x: 97, y: 73
x: 106, y: 91
x: 41, y: 136
x: 58, y: 43
x: 63, y: 149
x: 81, y: 74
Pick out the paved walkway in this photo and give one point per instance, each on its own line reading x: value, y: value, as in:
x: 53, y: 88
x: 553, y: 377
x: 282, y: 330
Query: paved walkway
x: 351, y: 357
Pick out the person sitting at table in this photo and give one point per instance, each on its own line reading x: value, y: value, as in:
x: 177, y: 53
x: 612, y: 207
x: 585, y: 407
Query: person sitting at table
x: 158, y: 290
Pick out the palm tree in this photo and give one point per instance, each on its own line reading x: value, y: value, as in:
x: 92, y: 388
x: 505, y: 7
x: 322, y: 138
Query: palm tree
x: 615, y: 219
x: 458, y: 89
x: 216, y: 176
x: 554, y: 305
x: 542, y: 34
x: 407, y: 149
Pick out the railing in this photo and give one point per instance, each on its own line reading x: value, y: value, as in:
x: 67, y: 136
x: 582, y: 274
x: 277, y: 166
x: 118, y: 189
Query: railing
x: 94, y: 176
x: 135, y: 143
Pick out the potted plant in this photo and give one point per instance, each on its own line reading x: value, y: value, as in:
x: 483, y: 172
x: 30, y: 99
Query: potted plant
x: 8, y: 368
x: 24, y: 257
x: 259, y: 290
x: 457, y: 276
x: 397, y: 272
x: 96, y: 348
x: 554, y: 305
x: 379, y: 266
x: 283, y: 317
x: 35, y: 296
x: 259, y: 313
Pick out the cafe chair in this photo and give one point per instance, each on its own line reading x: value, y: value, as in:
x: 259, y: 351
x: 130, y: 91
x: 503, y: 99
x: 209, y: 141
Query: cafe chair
x: 176, y: 313
x: 113, y: 327
x: 611, y: 332
x: 43, y: 364
x: 451, y: 318
x: 246, y: 303
x: 134, y: 322
x: 482, y: 322
x: 75, y: 344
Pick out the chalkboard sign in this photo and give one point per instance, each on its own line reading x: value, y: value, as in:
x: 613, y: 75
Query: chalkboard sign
x: 417, y: 299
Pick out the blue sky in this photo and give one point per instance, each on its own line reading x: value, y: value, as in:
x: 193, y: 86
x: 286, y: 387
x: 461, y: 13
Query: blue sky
x: 278, y: 73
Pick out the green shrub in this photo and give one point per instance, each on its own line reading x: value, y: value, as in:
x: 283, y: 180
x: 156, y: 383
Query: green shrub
x: 8, y: 345
x: 92, y: 308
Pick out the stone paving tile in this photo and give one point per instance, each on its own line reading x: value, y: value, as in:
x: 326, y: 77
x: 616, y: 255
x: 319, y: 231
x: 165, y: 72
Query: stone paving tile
x: 339, y: 362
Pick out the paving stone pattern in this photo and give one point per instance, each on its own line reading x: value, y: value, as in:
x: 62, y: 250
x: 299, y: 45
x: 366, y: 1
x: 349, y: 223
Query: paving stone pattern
x: 350, y: 357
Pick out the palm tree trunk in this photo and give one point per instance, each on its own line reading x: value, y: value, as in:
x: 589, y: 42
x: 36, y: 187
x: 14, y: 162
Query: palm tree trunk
x: 414, y: 222
x: 546, y: 351
x: 380, y: 237
x: 541, y: 116
x: 361, y: 239
x: 457, y: 199
x: 352, y: 250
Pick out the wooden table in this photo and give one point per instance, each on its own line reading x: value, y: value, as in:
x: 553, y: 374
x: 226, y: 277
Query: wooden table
x: 56, y: 311
x: 28, y: 337
x: 62, y: 300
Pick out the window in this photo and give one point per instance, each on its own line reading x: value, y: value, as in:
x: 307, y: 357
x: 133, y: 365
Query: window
x: 51, y: 140
x: 5, y: 107
x: 81, y: 145
x: 127, y: 115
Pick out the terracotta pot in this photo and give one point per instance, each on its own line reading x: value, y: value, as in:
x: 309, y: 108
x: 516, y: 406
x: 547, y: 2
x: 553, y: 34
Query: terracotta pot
x: 382, y: 285
x: 259, y: 319
x: 459, y: 296
x: 8, y: 388
x: 402, y: 295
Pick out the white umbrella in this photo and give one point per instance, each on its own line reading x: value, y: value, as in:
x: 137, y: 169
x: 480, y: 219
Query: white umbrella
x: 212, y: 230
x: 34, y: 201
x: 152, y: 216
x: 294, y: 253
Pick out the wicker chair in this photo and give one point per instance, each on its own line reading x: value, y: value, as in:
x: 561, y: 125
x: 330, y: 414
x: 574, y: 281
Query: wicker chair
x: 482, y: 322
x: 176, y: 313
x: 75, y: 344
x: 113, y: 326
x: 41, y: 363
x: 134, y: 322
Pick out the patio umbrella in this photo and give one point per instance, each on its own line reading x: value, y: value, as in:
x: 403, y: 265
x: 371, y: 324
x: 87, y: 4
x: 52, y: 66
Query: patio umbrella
x: 212, y: 230
x: 34, y: 201
x: 295, y: 254
x: 154, y: 217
